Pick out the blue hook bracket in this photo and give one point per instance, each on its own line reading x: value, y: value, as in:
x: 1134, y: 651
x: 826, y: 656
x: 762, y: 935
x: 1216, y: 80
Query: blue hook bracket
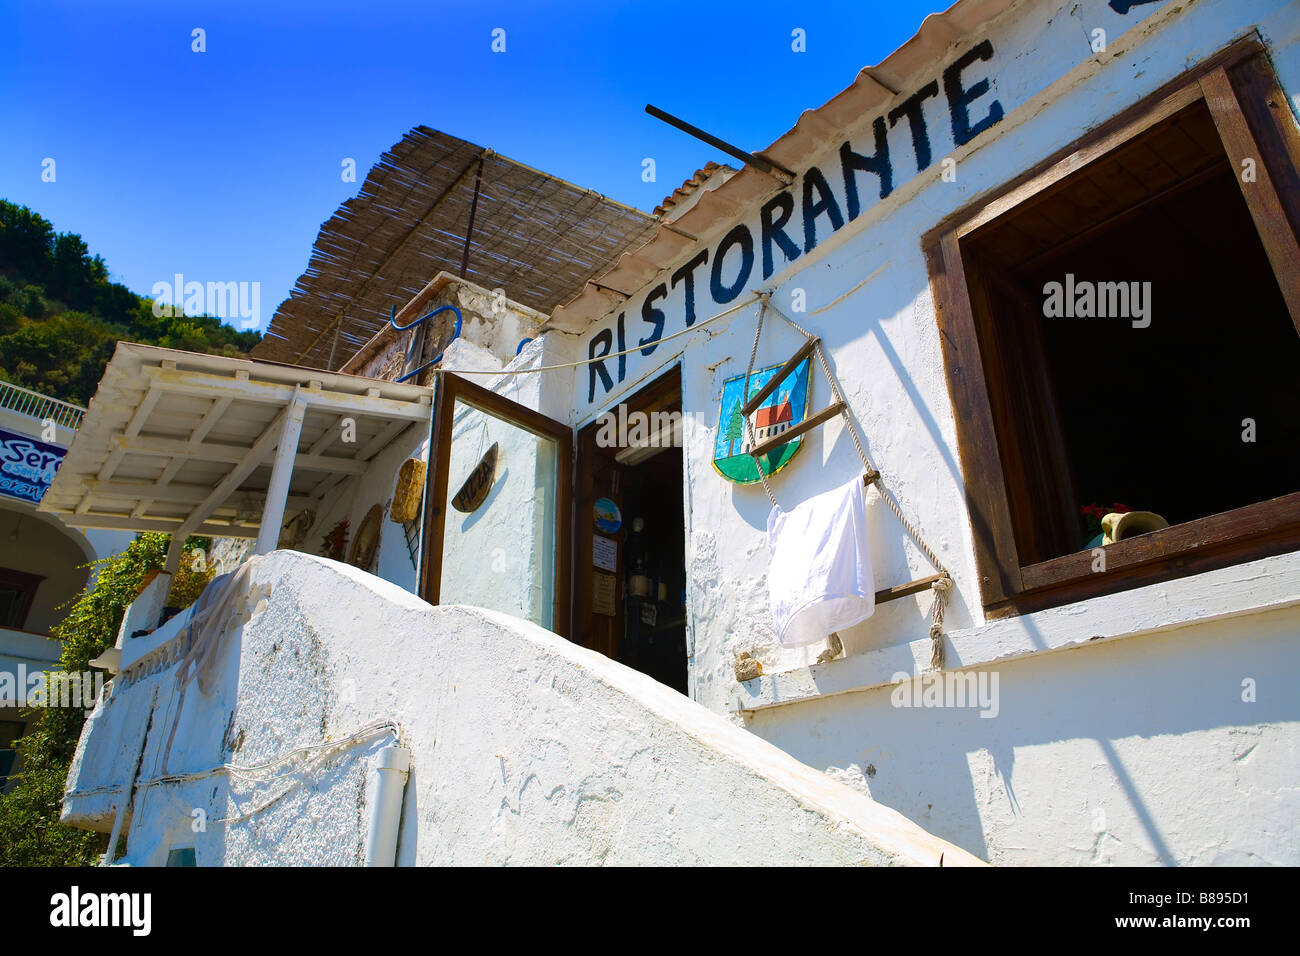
x: 392, y: 320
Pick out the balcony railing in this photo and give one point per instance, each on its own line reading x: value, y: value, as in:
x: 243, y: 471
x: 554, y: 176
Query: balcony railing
x: 24, y: 401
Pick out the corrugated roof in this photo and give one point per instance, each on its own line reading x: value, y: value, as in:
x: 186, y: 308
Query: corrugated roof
x: 538, y: 237
x: 817, y: 130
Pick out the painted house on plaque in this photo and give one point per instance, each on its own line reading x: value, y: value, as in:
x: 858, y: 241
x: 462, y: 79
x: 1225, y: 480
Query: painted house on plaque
x: 987, y: 280
x: 770, y: 421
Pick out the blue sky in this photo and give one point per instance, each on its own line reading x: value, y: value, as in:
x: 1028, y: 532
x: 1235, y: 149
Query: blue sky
x: 222, y: 165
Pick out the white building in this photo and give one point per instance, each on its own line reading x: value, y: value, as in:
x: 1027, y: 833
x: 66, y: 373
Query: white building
x: 44, y: 562
x: 1016, y: 238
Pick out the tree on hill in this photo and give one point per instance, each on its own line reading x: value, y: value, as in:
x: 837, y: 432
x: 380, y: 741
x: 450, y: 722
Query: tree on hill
x: 61, y: 317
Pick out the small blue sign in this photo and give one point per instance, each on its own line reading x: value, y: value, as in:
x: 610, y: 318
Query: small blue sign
x: 27, y: 466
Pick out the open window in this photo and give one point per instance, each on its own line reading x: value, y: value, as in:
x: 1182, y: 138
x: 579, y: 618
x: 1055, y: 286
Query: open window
x: 497, y: 506
x: 1121, y: 329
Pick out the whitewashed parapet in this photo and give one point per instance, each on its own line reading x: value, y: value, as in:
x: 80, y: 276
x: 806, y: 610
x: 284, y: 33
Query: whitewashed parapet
x: 526, y: 749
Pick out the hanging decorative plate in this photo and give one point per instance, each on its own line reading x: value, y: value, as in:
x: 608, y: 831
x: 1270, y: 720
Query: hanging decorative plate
x: 608, y: 518
x: 784, y: 408
x: 366, y: 543
x: 475, y: 490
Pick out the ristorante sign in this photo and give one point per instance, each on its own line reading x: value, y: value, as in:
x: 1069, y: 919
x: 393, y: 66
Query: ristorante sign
x: 27, y: 466
x: 796, y: 219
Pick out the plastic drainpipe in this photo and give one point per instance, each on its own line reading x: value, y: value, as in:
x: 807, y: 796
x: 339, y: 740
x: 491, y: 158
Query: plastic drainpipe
x: 386, y: 805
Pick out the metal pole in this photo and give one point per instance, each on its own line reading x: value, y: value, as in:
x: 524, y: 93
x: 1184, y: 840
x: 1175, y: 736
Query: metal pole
x: 762, y: 165
x: 473, y: 208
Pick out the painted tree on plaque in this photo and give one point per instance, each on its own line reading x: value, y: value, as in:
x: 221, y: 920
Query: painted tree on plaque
x: 735, y: 431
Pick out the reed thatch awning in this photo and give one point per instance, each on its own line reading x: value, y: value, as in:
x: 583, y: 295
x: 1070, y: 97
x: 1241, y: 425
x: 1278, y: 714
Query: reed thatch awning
x: 538, y: 237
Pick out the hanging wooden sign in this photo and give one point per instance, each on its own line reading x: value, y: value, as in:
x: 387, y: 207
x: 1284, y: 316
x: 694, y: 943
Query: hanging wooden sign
x: 475, y: 490
x: 783, y: 409
x: 366, y: 543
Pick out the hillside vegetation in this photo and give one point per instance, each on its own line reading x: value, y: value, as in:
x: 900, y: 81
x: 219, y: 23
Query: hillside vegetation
x: 61, y: 317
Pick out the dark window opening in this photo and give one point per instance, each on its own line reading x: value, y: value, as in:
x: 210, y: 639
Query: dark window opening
x: 1147, y: 408
x: 17, y: 592
x: 1120, y: 329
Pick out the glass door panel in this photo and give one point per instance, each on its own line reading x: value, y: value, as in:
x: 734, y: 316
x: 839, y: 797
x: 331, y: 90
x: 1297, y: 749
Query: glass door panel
x: 497, y: 536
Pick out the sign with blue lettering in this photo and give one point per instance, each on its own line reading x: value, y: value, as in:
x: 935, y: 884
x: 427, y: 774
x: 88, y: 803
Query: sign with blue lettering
x: 27, y: 466
x: 797, y: 219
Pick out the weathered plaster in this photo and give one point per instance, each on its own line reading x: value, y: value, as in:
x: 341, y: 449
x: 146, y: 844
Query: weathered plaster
x: 526, y: 748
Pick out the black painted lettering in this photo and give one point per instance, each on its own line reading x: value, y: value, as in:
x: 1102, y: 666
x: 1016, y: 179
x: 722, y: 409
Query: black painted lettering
x: 960, y: 99
x: 774, y: 230
x: 852, y: 163
x: 687, y: 274
x: 814, y: 180
x: 622, y: 346
x: 602, y: 338
x: 738, y: 236
x: 912, y: 109
x: 654, y: 316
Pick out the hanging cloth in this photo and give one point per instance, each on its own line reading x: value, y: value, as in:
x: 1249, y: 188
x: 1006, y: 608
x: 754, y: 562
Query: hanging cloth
x: 820, y: 578
x: 871, y: 476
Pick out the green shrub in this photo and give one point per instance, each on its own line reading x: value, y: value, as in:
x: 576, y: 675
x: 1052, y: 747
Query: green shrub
x: 30, y: 832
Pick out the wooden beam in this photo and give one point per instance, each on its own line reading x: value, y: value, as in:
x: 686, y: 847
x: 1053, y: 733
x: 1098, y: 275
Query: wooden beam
x: 804, y: 351
x: 165, y: 525
x: 148, y: 491
x: 229, y: 454
x: 790, y: 434
x: 382, y: 440
x: 911, y: 587
x: 281, y: 472
x: 327, y: 437
x: 256, y: 455
x: 110, y: 464
x: 1261, y: 196
x: 142, y: 412
x: 1095, y: 149
x: 168, y: 473
x: 214, y: 413
x: 206, y: 385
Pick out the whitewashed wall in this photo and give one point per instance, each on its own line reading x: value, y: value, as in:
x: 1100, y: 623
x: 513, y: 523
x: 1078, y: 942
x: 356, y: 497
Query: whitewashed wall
x: 525, y: 748
x: 948, y: 768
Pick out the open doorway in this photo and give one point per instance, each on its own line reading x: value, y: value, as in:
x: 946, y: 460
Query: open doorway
x: 630, y: 535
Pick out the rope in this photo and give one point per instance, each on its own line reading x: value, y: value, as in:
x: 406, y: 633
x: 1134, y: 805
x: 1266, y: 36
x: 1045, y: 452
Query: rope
x: 744, y: 397
x: 608, y: 355
x: 939, y: 590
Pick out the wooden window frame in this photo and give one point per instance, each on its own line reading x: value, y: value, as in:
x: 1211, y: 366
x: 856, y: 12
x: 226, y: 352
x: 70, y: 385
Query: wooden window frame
x: 1253, y: 120
x: 449, y: 389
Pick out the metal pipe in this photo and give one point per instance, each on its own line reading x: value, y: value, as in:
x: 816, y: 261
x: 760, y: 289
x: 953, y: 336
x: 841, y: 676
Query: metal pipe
x: 762, y: 165
x: 473, y: 208
x: 386, y: 791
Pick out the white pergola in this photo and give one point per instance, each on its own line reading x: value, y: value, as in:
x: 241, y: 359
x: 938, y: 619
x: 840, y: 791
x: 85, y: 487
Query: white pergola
x: 203, y: 444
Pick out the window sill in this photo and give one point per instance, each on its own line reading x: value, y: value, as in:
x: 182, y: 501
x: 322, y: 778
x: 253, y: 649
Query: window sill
x: 1252, y: 588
